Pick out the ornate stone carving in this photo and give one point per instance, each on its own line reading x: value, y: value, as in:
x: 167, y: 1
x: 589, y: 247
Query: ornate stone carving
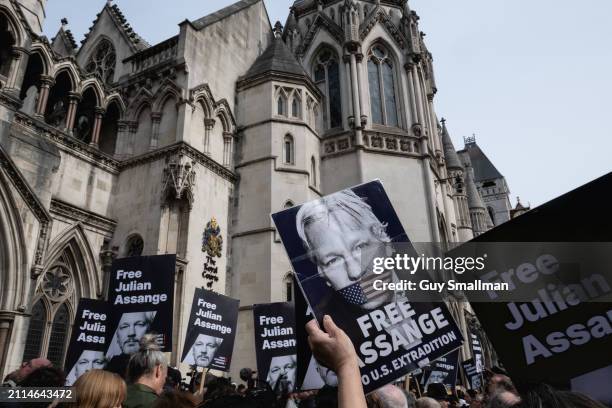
x: 57, y: 282
x: 179, y: 178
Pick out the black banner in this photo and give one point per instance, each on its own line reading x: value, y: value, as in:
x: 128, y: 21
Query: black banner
x: 554, y: 324
x: 89, y: 339
x: 275, y: 344
x: 443, y: 370
x: 141, y: 295
x: 209, y: 341
x: 474, y: 378
x: 331, y: 243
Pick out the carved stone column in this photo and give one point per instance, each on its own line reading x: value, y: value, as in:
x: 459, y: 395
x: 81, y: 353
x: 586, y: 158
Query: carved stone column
x: 17, y: 71
x: 155, y: 121
x: 209, y: 125
x: 123, y: 133
x: 73, y: 100
x: 351, y: 84
x: 411, y: 94
x: 95, y: 138
x: 106, y: 256
x: 179, y: 178
x: 46, y: 82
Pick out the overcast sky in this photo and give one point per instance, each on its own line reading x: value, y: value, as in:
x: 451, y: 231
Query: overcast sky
x: 530, y: 78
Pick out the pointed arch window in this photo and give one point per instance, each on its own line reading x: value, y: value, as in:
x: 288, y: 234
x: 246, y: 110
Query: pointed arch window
x: 280, y: 105
x: 313, y: 171
x: 381, y: 79
x: 36, y: 331
x: 134, y: 245
x: 59, y: 335
x: 102, y: 61
x: 327, y: 78
x: 296, y: 106
x: 289, y: 150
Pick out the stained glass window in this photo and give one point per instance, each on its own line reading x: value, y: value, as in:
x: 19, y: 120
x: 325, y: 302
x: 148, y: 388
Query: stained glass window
x: 59, y: 335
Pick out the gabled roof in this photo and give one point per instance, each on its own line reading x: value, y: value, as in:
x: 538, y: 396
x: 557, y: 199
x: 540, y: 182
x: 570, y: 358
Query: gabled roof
x: 223, y: 13
x: 483, y: 167
x: 134, y: 40
x: 276, y: 58
x: 63, y: 43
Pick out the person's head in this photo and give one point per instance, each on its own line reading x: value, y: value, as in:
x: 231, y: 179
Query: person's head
x: 131, y: 328
x: 99, y: 389
x: 282, y: 366
x: 47, y: 376
x: 149, y: 365
x: 500, y: 382
x: 427, y: 402
x: 173, y: 379
x: 327, y: 375
x: 89, y: 360
x: 503, y: 399
x: 175, y: 399
x: 241, y: 389
x: 342, y: 236
x: 388, y: 396
x: 204, y: 349
x: 545, y: 396
x: 27, y: 367
x: 438, y: 392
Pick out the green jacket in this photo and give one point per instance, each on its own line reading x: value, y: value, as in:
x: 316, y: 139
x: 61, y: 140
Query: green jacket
x: 139, y: 396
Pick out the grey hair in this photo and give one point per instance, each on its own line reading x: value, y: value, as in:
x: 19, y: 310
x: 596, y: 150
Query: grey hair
x: 427, y: 402
x: 145, y: 360
x: 345, y: 201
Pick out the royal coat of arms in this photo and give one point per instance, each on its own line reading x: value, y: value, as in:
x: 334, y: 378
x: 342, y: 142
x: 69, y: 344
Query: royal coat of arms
x: 212, y: 241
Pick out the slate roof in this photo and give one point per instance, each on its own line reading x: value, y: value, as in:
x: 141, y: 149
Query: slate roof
x: 223, y: 13
x: 276, y: 58
x: 483, y: 168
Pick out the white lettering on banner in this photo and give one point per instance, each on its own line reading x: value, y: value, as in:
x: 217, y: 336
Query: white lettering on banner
x: 274, y: 344
x: 553, y: 299
x: 87, y: 314
x: 121, y: 274
x: 141, y: 299
x: 575, y: 335
x: 88, y: 338
x: 212, y: 326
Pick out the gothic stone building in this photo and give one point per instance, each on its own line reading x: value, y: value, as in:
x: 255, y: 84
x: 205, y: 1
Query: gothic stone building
x: 117, y: 147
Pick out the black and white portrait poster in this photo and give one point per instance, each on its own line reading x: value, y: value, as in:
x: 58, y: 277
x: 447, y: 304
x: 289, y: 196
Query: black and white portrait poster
x: 209, y: 341
x: 476, y: 347
x: 90, y: 336
x: 474, y: 378
x: 141, y: 295
x: 325, y: 240
x: 443, y: 370
x: 275, y: 343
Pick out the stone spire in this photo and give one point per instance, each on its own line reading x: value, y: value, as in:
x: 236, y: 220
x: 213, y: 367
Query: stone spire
x: 450, y: 154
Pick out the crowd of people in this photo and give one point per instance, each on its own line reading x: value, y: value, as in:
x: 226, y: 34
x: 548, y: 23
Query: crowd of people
x: 149, y: 382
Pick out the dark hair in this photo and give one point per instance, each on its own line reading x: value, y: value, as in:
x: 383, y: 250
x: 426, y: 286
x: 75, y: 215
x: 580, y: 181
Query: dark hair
x: 173, y: 378
x: 327, y: 397
x: 472, y: 393
x: 218, y: 387
x: 545, y: 396
x: 175, y: 399
x: 45, y: 377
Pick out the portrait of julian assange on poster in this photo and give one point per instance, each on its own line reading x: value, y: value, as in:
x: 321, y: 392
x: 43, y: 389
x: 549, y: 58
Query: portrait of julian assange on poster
x: 141, y: 298
x: 331, y: 243
x: 209, y: 341
x: 88, y: 342
x: 275, y: 344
